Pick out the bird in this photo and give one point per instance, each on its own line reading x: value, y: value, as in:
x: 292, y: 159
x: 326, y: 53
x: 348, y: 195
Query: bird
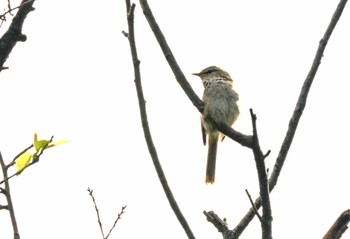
x: 221, y: 106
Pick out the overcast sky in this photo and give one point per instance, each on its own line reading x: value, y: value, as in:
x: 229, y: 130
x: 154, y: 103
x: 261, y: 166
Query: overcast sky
x: 73, y: 78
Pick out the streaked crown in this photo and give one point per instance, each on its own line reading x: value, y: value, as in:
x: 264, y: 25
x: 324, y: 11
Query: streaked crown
x: 214, y: 74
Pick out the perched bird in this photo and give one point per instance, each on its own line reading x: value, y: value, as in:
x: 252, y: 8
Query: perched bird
x: 220, y: 105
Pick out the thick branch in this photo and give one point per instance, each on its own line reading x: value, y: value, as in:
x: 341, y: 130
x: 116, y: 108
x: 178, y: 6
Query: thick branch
x: 259, y: 157
x: 14, y: 33
x: 145, y: 126
x: 339, y: 226
x: 220, y: 224
x: 7, y: 194
x: 293, y: 123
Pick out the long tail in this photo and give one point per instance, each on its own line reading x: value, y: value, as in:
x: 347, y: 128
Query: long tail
x: 211, y: 161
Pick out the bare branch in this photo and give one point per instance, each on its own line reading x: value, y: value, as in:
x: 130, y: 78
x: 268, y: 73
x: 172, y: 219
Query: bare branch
x: 253, y: 206
x: 97, y: 211
x: 266, y: 222
x: 142, y: 105
x: 7, y: 192
x: 180, y: 77
x: 293, y: 123
x: 99, y: 218
x: 220, y: 224
x: 5, y: 207
x: 339, y: 226
x: 115, y: 222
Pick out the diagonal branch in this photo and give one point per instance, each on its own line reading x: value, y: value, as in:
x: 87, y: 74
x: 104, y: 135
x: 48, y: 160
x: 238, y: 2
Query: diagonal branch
x: 142, y: 105
x: 293, y: 123
x: 180, y: 77
x: 122, y: 211
x: 339, y: 226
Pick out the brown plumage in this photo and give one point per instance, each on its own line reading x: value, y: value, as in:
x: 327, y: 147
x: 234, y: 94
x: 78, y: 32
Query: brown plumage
x: 220, y: 104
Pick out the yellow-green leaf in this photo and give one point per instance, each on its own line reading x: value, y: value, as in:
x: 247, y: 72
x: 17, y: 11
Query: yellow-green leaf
x: 23, y: 161
x: 35, y: 137
x: 40, y: 144
x: 57, y: 143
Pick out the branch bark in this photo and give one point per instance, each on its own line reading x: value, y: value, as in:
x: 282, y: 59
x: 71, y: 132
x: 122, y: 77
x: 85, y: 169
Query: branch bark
x: 339, y: 226
x: 259, y: 157
x: 142, y: 105
x: 7, y: 194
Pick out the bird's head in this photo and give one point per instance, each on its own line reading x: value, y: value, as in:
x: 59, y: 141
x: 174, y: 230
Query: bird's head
x: 213, y: 72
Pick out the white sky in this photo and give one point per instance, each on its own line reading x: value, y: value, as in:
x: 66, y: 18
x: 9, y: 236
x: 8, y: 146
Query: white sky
x: 73, y: 78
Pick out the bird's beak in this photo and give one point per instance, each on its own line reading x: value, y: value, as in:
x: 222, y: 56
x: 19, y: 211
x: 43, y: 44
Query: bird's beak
x: 195, y: 74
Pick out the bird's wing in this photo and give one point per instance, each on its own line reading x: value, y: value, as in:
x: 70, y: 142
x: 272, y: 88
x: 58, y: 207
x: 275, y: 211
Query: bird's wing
x: 204, y: 134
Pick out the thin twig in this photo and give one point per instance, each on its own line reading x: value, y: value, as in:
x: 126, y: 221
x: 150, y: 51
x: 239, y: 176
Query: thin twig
x: 9, y: 11
x: 293, y: 123
x: 9, y: 4
x: 252, y: 203
x: 97, y: 211
x: 34, y: 161
x: 116, y: 220
x: 142, y: 105
x: 19, y: 154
